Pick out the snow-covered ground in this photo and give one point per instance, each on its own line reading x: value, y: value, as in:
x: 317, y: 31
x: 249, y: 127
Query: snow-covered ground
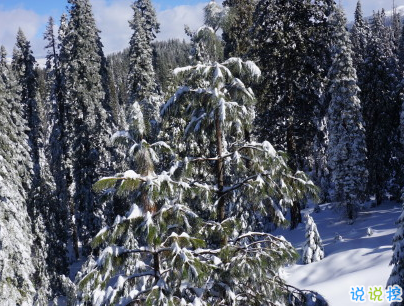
x: 356, y: 260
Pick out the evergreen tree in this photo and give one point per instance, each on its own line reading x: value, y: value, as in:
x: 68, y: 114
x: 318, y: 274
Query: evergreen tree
x: 58, y: 215
x: 380, y: 105
x: 397, y: 273
x: 206, y: 46
x: 16, y: 260
x: 347, y: 146
x: 214, y: 15
x: 23, y: 64
x: 87, y: 122
x: 237, y: 27
x: 167, y: 56
x: 41, y: 197
x: 360, y: 35
x: 142, y: 79
x: 168, y: 255
x: 313, y: 248
x: 291, y: 46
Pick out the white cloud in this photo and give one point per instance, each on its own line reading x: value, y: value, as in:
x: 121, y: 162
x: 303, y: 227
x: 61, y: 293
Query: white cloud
x: 173, y: 20
x: 113, y: 21
x: 30, y: 22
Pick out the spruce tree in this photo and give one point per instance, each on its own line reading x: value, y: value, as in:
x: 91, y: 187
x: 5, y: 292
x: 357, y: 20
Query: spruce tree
x: 380, y: 105
x: 23, y: 64
x: 360, y: 35
x: 58, y: 215
x: 313, y: 248
x: 142, y: 80
x: 41, y: 194
x: 195, y: 245
x: 86, y: 118
x: 17, y: 264
x: 347, y: 145
x: 291, y: 47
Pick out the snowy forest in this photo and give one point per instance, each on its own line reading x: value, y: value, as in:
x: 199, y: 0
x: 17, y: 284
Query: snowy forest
x: 171, y: 172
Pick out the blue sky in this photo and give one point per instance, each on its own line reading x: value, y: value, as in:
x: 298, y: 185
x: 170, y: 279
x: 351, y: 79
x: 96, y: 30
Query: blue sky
x: 44, y: 7
x: 112, y: 18
x: 50, y: 7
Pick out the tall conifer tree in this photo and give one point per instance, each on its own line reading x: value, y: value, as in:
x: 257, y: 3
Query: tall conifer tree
x: 291, y: 43
x: 347, y: 146
x: 142, y: 80
x: 17, y: 263
x: 380, y: 103
x: 87, y: 122
x: 360, y: 34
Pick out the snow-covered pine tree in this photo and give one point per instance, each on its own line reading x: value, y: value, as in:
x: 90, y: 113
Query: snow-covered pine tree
x: 142, y: 80
x: 219, y: 127
x: 347, y: 145
x: 360, y: 35
x: 87, y: 121
x: 206, y: 46
x: 291, y: 48
x: 16, y: 239
x: 313, y: 248
x: 57, y: 215
x: 41, y: 194
x: 173, y: 256
x: 397, y: 260
x: 214, y: 15
x: 381, y: 105
x: 23, y: 64
x: 237, y: 27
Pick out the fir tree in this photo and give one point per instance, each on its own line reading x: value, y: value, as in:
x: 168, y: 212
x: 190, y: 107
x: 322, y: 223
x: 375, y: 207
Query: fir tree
x: 142, y: 79
x: 360, y: 35
x: 170, y: 255
x: 313, y: 248
x: 347, y: 146
x: 214, y: 15
x: 17, y: 263
x: 57, y: 215
x: 41, y: 194
x: 86, y: 118
x: 291, y: 48
x: 23, y: 64
x: 380, y: 106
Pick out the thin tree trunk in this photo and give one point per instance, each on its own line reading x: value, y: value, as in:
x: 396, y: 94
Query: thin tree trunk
x: 295, y: 210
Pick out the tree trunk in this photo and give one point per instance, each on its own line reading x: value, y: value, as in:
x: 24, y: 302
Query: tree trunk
x: 295, y: 209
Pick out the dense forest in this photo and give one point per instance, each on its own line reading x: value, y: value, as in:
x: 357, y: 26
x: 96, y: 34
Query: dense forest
x: 156, y: 175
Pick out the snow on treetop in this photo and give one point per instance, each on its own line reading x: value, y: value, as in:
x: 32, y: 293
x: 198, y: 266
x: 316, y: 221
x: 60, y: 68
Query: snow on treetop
x: 204, y: 28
